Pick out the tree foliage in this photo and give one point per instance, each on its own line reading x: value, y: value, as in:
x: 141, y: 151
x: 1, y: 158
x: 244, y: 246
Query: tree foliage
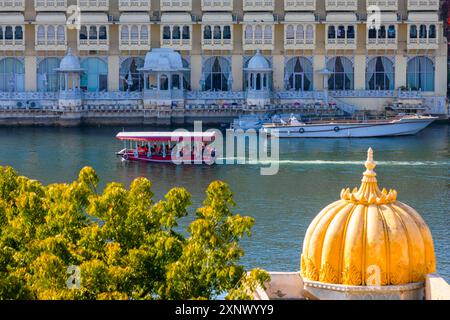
x: 124, y: 245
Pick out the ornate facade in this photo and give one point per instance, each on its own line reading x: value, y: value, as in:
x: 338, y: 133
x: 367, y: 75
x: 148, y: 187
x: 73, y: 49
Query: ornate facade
x: 365, y: 53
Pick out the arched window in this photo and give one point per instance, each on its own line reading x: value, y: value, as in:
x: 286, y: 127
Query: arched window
x: 50, y: 34
x: 372, y: 33
x: 341, y: 32
x: 382, y: 32
x: 124, y: 34
x: 92, y: 33
x: 299, y: 74
x: 95, y: 76
x: 391, y: 32
x: 331, y: 32
x: 290, y: 35
x: 47, y: 77
x: 12, y: 75
x: 9, y: 33
x: 130, y: 78
x: 248, y: 33
x: 217, y: 33
x: 268, y: 33
x: 166, y: 33
x: 61, y: 34
x: 144, y: 33
x: 186, y: 74
x: 163, y: 82
x: 134, y: 34
x: 258, y: 32
x: 309, y: 32
x: 227, y: 32
x: 207, y: 34
x: 258, y: 81
x: 18, y: 33
x: 83, y: 33
x: 342, y: 76
x: 176, y: 33
x: 1, y: 33
x: 102, y: 34
x: 420, y: 74
x: 41, y: 34
x: 413, y: 32
x: 300, y: 33
x: 422, y: 31
x: 432, y: 32
x: 216, y: 72
x: 350, y: 32
x: 186, y: 32
x: 380, y: 74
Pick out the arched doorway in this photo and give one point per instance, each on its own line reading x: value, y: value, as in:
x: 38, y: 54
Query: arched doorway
x: 95, y: 76
x: 299, y: 74
x: 342, y: 77
x: 12, y: 75
x: 130, y: 78
x: 216, y: 72
x: 47, y: 77
x: 420, y: 74
x: 380, y: 74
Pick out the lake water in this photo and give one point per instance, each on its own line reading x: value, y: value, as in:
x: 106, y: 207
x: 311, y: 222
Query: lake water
x: 311, y: 175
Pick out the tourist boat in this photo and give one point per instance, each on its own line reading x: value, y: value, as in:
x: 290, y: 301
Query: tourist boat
x: 398, y: 126
x: 168, y: 147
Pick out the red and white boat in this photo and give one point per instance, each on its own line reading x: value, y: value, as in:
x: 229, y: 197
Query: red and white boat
x: 168, y: 147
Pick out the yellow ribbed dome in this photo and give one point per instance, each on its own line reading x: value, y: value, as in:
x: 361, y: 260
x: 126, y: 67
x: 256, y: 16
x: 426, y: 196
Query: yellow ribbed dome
x: 368, y: 238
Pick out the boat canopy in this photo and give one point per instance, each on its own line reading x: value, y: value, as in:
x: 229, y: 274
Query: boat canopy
x: 166, y: 136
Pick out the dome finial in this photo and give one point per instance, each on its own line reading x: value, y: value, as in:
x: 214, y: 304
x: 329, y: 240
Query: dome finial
x: 370, y: 164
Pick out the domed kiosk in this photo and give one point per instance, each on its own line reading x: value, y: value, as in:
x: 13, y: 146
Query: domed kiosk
x: 69, y: 82
x: 258, y: 80
x: 367, y: 244
x: 163, y: 78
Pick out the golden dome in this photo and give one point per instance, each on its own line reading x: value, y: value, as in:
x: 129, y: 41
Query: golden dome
x: 368, y: 238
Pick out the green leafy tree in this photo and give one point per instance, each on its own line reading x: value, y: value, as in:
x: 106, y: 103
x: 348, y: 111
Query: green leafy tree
x: 125, y: 245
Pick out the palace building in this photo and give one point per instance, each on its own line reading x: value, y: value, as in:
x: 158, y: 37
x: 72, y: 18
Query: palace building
x: 362, y: 54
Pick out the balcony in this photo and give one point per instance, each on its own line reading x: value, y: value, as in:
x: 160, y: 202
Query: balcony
x: 258, y: 5
x: 422, y: 43
x: 381, y: 43
x: 176, y: 5
x: 341, y: 5
x: 134, y: 37
x: 94, y: 5
x: 12, y: 44
x: 423, y: 5
x: 177, y: 44
x: 134, y: 5
x: 299, y: 5
x: 384, y: 5
x: 341, y: 44
x: 93, y: 44
x: 12, y: 5
x: 217, y: 44
x: 217, y: 5
x: 50, y: 5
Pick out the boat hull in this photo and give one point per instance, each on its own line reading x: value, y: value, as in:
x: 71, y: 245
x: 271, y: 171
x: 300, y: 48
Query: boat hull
x: 130, y: 156
x: 351, y: 130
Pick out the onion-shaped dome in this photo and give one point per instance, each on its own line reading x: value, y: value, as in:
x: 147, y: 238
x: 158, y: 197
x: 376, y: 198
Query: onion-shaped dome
x: 368, y: 238
x: 69, y: 63
x: 163, y: 59
x: 258, y: 63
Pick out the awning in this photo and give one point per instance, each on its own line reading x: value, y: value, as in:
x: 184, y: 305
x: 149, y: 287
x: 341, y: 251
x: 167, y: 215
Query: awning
x: 47, y: 18
x: 176, y: 17
x: 299, y: 17
x: 166, y: 136
x: 254, y: 17
x: 211, y: 17
x: 94, y: 18
x: 13, y: 18
x: 423, y: 17
x: 341, y: 17
x: 388, y: 17
x: 134, y: 18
